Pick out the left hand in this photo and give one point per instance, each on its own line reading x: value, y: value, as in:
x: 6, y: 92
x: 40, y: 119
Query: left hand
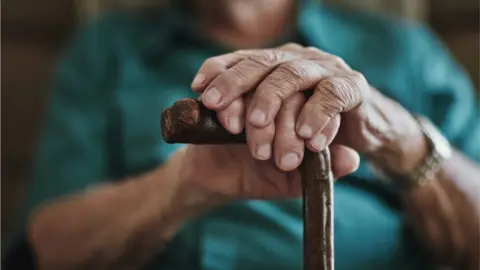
x: 280, y: 75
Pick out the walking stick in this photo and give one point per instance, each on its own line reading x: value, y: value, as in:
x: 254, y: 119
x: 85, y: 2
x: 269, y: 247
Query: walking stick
x: 189, y: 121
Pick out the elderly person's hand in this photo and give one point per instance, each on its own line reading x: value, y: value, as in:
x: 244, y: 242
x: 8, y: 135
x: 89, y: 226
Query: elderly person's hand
x: 342, y: 109
x: 261, y: 91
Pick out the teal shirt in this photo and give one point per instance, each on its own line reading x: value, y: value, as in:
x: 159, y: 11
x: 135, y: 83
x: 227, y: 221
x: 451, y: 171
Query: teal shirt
x: 123, y: 70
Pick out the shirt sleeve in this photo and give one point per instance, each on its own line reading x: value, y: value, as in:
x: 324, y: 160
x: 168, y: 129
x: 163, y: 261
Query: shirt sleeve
x: 447, y: 94
x: 72, y: 154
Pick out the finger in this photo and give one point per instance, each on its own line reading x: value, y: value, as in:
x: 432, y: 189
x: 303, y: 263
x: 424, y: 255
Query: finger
x: 242, y: 77
x: 345, y: 160
x: 324, y: 138
x: 332, y: 95
x: 288, y: 78
x: 259, y: 140
x: 232, y: 117
x: 211, y: 68
x: 288, y: 147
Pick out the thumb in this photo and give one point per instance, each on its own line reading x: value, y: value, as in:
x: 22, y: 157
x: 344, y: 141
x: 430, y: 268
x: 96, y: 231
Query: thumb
x: 345, y: 160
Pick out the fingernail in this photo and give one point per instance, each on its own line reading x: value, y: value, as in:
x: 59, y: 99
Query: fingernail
x: 263, y: 151
x: 212, y: 96
x: 198, y: 80
x: 319, y: 141
x: 234, y: 123
x: 305, y: 131
x: 289, y: 160
x: 257, y: 116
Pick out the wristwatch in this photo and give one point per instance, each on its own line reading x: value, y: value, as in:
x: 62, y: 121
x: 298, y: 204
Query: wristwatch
x: 439, y: 151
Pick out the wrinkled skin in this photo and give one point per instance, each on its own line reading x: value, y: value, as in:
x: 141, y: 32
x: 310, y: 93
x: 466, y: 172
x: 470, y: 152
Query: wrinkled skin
x: 262, y: 91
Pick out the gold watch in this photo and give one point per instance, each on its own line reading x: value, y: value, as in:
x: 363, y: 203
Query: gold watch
x: 439, y: 151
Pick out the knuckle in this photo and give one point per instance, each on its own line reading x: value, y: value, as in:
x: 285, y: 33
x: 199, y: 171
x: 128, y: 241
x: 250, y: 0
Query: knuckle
x: 288, y: 144
x: 336, y: 59
x: 232, y: 79
x: 268, y: 58
x: 315, y: 49
x: 214, y: 61
x: 293, y: 71
x: 358, y: 75
x: 237, y: 105
x: 341, y: 88
x: 286, y: 136
x: 261, y: 135
x: 292, y: 45
x: 237, y: 75
x: 286, y: 124
x: 242, y: 52
x: 233, y: 82
x: 270, y: 131
x: 353, y: 90
x: 339, y: 62
x: 334, y: 93
x: 277, y: 88
x: 316, y: 53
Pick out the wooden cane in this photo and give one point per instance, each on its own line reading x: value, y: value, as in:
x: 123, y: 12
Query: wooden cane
x: 189, y: 121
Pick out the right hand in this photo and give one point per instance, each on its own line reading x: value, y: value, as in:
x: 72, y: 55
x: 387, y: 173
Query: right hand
x: 227, y: 172
x: 231, y: 172
x: 212, y: 174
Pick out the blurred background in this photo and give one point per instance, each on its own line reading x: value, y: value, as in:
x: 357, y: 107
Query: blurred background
x: 34, y: 32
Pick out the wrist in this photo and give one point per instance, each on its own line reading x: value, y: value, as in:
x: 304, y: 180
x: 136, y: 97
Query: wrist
x: 188, y: 199
x: 399, y: 142
x: 404, y: 154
